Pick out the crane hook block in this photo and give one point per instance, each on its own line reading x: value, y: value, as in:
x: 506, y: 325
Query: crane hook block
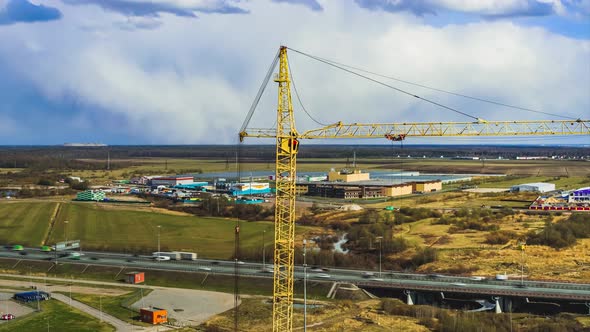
x: 289, y: 145
x: 394, y: 137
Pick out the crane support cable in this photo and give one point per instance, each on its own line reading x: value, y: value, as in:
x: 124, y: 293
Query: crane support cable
x: 299, y: 99
x: 446, y: 91
x: 387, y: 85
x: 260, y: 92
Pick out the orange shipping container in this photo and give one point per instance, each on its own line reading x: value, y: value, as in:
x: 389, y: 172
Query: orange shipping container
x: 135, y: 277
x: 154, y: 315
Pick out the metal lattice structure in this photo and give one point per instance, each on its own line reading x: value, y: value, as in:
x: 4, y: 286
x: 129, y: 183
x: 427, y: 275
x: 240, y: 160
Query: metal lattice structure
x: 287, y: 145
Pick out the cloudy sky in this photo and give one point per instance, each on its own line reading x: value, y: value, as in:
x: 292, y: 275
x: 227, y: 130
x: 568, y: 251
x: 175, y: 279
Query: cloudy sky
x: 186, y: 71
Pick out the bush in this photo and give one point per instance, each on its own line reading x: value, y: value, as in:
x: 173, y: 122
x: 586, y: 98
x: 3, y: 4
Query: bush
x: 499, y: 237
x: 45, y: 182
x: 424, y: 255
x: 562, y: 234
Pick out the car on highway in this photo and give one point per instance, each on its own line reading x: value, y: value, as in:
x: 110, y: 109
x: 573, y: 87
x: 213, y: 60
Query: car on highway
x: 476, y: 278
x: 460, y: 284
x: 316, y: 269
x: 376, y: 279
x: 204, y: 268
x: 436, y: 275
x: 268, y: 270
x: 368, y: 274
x: 323, y: 275
x: 161, y: 258
x: 18, y: 247
x: 7, y: 317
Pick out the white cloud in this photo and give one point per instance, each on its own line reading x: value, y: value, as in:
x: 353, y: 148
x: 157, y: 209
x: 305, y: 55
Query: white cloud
x: 192, y: 81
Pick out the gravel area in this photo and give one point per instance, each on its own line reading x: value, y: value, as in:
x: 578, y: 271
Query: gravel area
x: 10, y: 307
x: 188, y: 306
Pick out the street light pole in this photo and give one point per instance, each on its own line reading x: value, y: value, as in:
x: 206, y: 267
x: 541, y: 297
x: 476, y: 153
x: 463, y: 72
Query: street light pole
x: 264, y: 251
x: 66, y: 231
x: 380, y: 238
x: 304, y: 287
x: 158, y: 243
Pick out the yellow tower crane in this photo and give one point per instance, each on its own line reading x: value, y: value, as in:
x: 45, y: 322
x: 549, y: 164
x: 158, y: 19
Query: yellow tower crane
x: 287, y: 145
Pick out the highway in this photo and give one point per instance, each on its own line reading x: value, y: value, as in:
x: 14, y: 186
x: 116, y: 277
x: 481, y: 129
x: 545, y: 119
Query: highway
x: 388, y: 279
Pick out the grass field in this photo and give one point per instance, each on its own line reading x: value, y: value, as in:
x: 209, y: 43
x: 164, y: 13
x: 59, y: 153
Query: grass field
x: 100, y: 227
x: 116, y: 306
x: 57, y: 316
x: 25, y: 223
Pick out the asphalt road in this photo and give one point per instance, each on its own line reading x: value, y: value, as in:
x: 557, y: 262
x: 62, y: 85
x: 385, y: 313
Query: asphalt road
x: 388, y: 279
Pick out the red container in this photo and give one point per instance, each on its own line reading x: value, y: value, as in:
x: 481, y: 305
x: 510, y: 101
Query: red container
x: 134, y: 277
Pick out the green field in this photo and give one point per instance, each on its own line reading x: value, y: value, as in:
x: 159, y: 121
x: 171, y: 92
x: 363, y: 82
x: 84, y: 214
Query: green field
x: 103, y: 227
x: 56, y: 316
x: 116, y: 306
x: 25, y: 223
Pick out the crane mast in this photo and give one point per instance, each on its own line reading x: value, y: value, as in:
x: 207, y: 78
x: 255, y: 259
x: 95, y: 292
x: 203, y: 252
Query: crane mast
x: 286, y: 155
x: 287, y: 146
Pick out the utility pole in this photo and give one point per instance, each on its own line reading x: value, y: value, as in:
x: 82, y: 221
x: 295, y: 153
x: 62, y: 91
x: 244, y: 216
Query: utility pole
x: 66, y: 231
x: 264, y: 251
x: 522, y: 248
x: 304, y: 286
x: 380, y: 238
x: 158, y: 243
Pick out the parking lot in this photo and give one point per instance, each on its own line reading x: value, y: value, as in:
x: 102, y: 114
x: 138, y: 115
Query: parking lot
x: 7, y: 306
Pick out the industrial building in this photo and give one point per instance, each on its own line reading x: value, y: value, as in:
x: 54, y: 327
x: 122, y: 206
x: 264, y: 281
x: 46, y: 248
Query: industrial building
x: 254, y: 188
x: 369, y: 190
x: 347, y: 176
x: 91, y: 195
x: 426, y: 186
x: 541, y: 187
x: 581, y: 195
x: 171, y: 181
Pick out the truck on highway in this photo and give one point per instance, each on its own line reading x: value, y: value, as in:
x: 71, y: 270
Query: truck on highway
x: 190, y: 256
x: 173, y: 255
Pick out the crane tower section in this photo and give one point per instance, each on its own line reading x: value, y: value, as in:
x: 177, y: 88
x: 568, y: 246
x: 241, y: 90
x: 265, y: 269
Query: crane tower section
x: 286, y: 154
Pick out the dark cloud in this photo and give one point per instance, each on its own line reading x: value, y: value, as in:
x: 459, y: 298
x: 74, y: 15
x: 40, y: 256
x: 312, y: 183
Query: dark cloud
x: 151, y: 8
x: 23, y: 11
x: 424, y: 7
x: 312, y: 4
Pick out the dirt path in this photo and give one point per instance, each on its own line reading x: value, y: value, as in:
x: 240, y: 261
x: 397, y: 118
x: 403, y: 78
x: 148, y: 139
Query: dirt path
x: 51, y: 224
x: 48, y: 287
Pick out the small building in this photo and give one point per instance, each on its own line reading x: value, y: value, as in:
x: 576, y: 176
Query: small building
x: 171, y: 181
x: 426, y: 186
x: 153, y: 315
x: 134, y: 277
x: 348, y: 176
x: 534, y: 187
x: 32, y: 296
x: 581, y: 195
x: 91, y: 195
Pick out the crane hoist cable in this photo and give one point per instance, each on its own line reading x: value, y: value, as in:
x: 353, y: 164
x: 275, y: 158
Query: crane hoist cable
x: 446, y: 91
x: 389, y: 86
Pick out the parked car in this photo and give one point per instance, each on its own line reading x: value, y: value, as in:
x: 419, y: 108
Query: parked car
x: 7, y: 317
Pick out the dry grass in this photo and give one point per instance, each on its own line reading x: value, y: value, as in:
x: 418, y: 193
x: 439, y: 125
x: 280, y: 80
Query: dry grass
x: 256, y: 315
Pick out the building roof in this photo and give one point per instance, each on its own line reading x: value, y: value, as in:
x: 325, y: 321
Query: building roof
x: 536, y: 184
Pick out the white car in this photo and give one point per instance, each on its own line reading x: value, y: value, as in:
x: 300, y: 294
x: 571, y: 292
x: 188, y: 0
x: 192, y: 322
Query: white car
x: 204, y: 268
x: 162, y: 258
x: 323, y: 275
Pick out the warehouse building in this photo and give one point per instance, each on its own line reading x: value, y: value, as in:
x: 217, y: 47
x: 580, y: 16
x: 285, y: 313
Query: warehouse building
x: 540, y: 187
x: 171, y: 181
x: 581, y: 195
x: 347, y: 176
x: 426, y: 186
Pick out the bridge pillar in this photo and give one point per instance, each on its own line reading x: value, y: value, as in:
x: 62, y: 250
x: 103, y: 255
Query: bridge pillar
x: 588, y: 305
x: 498, y: 307
x: 410, y: 297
